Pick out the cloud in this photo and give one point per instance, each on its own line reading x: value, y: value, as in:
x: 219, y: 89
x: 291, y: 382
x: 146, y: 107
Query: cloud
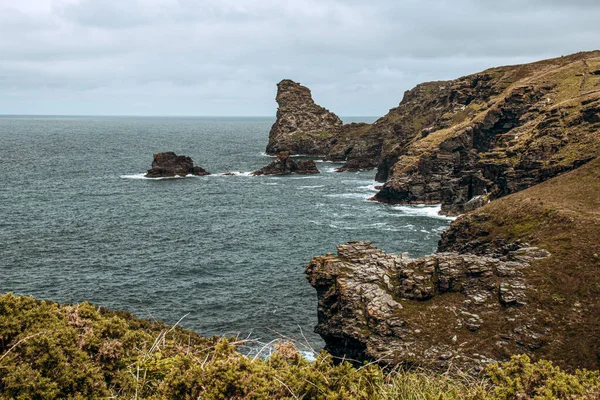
x: 182, y: 57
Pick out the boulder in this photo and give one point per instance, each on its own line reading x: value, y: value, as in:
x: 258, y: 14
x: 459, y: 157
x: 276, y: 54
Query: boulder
x: 169, y: 164
x: 285, y: 165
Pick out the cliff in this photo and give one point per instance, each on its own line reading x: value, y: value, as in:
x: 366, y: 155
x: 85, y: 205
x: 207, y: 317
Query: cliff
x: 505, y: 129
x: 519, y: 275
x: 467, y: 141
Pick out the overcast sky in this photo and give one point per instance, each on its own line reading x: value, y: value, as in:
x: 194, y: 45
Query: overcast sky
x: 224, y: 57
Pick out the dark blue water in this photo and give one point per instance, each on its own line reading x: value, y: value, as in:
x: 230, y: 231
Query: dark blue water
x: 79, y: 224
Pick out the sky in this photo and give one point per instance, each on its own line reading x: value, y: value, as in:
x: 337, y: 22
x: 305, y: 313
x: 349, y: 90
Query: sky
x: 225, y: 57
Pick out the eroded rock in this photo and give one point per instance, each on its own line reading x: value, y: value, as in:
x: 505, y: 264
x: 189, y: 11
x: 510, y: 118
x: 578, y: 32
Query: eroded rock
x: 302, y: 126
x: 169, y: 164
x: 285, y: 165
x: 432, y: 311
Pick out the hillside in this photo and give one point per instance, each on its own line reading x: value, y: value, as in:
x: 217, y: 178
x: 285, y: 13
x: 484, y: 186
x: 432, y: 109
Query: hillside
x: 519, y: 275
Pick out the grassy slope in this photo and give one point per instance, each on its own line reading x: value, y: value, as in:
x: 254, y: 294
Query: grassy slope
x: 561, y: 215
x: 570, y: 83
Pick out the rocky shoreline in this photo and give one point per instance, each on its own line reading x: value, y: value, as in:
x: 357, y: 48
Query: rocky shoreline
x: 519, y: 275
x: 464, y: 142
x: 516, y: 149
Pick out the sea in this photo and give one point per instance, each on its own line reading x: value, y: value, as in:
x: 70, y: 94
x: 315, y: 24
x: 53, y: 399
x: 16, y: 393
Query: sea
x: 220, y: 254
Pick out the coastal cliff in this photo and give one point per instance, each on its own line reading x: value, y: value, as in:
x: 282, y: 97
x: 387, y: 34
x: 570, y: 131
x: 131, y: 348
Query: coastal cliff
x: 519, y: 275
x: 467, y: 141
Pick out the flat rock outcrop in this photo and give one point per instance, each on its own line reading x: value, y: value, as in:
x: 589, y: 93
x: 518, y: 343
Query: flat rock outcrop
x: 429, y: 312
x: 285, y: 165
x: 169, y: 164
x: 302, y: 127
x: 518, y: 275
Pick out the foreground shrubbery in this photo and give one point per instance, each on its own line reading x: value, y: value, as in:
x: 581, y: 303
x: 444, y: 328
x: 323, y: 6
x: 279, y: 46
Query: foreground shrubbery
x: 55, y: 352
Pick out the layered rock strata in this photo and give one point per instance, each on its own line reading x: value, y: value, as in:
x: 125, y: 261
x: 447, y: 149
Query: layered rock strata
x: 285, y: 165
x: 169, y: 164
x: 430, y: 312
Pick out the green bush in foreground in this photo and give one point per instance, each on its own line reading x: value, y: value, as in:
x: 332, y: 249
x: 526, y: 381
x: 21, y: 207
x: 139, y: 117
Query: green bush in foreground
x: 49, y: 351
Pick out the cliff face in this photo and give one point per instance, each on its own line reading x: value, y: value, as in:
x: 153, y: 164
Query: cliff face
x: 519, y: 275
x: 507, y: 129
x: 302, y: 127
x: 466, y: 141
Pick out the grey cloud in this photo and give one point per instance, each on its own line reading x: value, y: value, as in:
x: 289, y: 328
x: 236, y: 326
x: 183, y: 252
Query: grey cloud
x: 223, y: 57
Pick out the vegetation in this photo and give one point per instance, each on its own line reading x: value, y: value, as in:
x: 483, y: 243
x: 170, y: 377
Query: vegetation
x: 51, y: 351
x: 559, y: 215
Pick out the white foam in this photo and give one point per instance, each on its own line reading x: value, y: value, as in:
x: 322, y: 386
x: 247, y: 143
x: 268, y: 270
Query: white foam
x: 233, y: 173
x: 311, y: 187
x: 143, y: 176
x: 308, y: 355
x: 423, y: 211
x: 370, y: 188
x: 349, y: 195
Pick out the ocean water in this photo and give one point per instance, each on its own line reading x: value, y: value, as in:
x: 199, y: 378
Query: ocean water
x: 79, y: 223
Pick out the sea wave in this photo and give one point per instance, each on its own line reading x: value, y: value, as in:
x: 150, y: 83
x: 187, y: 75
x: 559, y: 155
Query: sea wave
x: 422, y: 211
x: 310, y: 187
x: 143, y: 176
x: 233, y: 173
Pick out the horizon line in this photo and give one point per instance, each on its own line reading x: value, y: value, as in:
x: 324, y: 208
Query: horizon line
x: 163, y: 116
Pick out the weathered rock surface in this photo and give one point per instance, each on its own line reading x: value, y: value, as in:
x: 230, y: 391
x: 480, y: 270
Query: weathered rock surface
x: 169, y: 164
x: 302, y: 127
x: 518, y: 275
x: 430, y: 312
x: 285, y: 165
x: 501, y: 131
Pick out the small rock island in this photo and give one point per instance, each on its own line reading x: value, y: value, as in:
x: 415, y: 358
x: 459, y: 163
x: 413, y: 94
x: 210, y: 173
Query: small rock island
x: 284, y: 165
x: 169, y: 165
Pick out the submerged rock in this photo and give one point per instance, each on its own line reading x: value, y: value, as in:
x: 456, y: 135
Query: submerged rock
x: 285, y: 165
x: 169, y: 164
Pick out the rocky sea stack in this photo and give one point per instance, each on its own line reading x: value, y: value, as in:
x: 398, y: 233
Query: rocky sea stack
x: 302, y: 127
x: 169, y: 164
x: 285, y: 165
